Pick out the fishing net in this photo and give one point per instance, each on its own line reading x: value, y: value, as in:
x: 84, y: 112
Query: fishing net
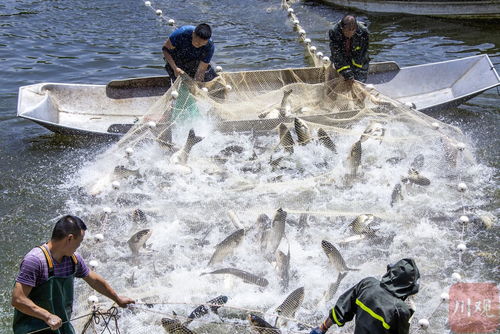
x: 289, y: 157
x: 255, y: 186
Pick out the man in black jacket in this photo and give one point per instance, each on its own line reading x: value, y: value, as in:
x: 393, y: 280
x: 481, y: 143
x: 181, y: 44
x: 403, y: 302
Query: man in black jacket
x: 349, y: 46
x: 379, y: 306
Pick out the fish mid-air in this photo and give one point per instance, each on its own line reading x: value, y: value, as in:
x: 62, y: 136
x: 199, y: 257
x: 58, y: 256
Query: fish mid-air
x: 181, y: 156
x: 138, y: 240
x: 362, y: 224
x: 326, y: 141
x: 289, y: 307
x: 303, y: 132
x: 227, y: 246
x: 244, y: 275
x: 335, y: 257
x: 285, y: 108
x: 355, y: 158
x: 286, y: 139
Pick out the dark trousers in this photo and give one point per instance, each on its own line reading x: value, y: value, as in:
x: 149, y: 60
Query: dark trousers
x: 190, y: 68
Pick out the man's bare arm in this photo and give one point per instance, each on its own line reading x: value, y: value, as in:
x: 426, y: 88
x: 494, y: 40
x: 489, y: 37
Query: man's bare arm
x: 168, y: 45
x: 22, y: 303
x: 200, y: 72
x: 99, y: 284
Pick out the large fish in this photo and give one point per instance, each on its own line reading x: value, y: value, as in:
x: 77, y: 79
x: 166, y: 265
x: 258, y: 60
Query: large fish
x: 335, y: 257
x: 227, y: 246
x: 138, y: 240
x: 174, y: 326
x: 182, y: 155
x: 333, y: 287
x: 361, y: 224
x: 286, y: 139
x: 303, y: 132
x: 326, y: 140
x: 416, y: 178
x: 374, y: 130
x: 289, y: 306
x: 121, y: 172
x: 397, y: 194
x: 261, y: 326
x: 355, y: 158
x: 276, y: 232
x: 283, y: 267
x: 244, y: 275
x: 285, y: 107
x: 212, y: 305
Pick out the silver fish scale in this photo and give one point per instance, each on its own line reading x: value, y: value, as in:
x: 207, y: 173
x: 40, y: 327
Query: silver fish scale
x: 290, y: 305
x: 283, y: 265
x: 227, y: 246
x: 244, y: 275
x: 302, y: 131
x: 286, y: 139
x: 326, y: 140
x: 173, y: 326
x: 334, y: 256
x: 277, y: 231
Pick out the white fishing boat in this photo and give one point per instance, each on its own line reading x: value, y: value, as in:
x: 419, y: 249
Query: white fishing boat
x: 481, y: 9
x: 112, y: 109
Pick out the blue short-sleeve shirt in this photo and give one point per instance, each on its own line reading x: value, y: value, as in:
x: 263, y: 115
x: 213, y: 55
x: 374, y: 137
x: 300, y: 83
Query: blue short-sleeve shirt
x: 182, y: 40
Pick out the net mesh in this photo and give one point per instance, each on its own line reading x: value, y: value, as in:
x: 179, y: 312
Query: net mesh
x: 297, y: 145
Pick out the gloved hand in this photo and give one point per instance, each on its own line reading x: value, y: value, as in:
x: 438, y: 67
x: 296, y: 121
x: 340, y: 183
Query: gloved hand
x: 317, y: 331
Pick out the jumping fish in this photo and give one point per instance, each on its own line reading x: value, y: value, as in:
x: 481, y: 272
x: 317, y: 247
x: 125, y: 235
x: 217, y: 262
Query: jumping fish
x: 355, y: 157
x: 326, y: 140
x: 361, y: 224
x: 303, y: 132
x: 289, y: 306
x: 212, y: 305
x: 245, y: 276
x: 121, y: 172
x: 283, y: 267
x: 262, y: 225
x: 182, y: 155
x: 138, y: 240
x: 261, y: 326
x: 374, y: 130
x: 333, y: 287
x: 286, y: 139
x: 174, y: 326
x: 285, y: 107
x: 227, y: 246
x: 276, y: 232
x: 335, y: 257
x: 397, y: 194
x: 415, y: 178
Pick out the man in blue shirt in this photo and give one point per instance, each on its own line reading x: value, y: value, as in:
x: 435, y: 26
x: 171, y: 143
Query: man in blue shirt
x: 189, y: 50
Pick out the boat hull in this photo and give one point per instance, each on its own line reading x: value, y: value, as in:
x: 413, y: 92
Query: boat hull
x: 111, y: 110
x: 456, y: 9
